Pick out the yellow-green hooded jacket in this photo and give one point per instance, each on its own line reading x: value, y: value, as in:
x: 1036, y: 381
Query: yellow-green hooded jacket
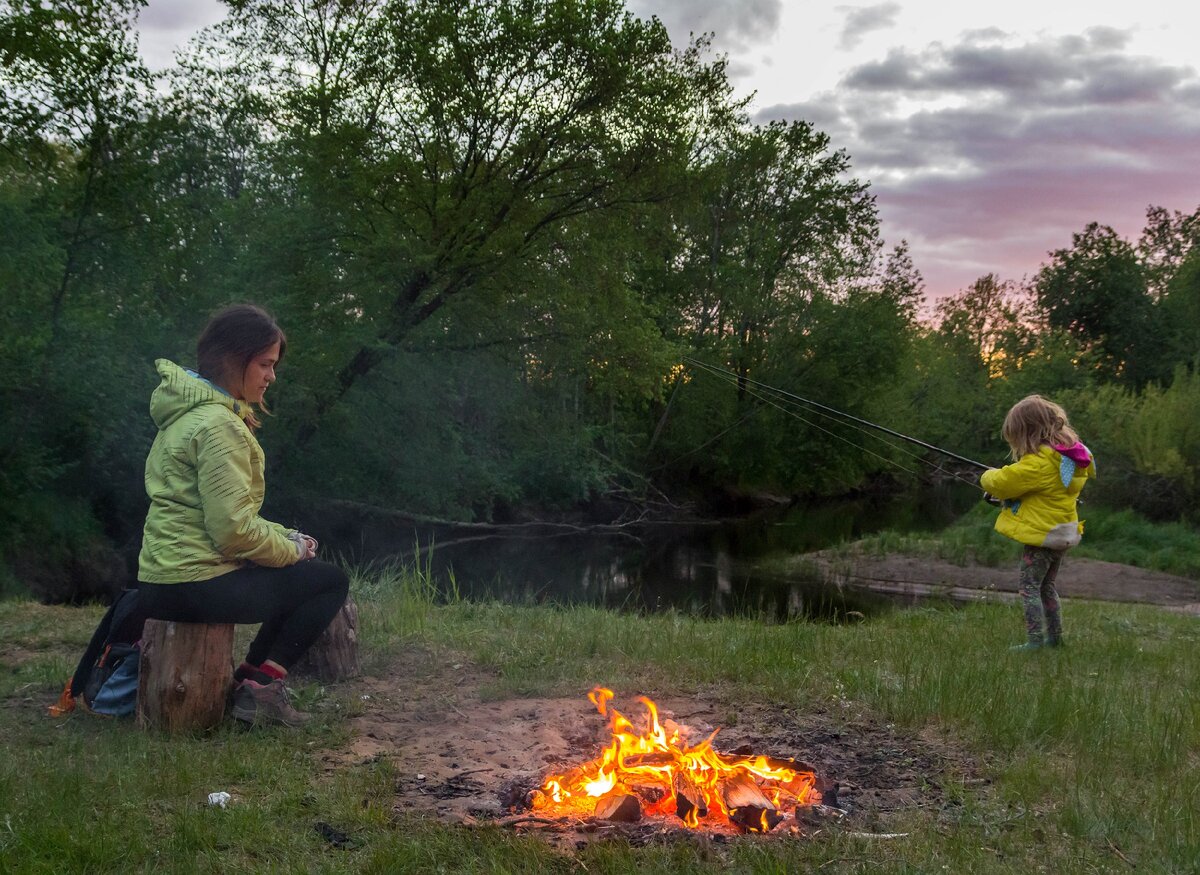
x: 1040, y: 493
x: 204, y: 476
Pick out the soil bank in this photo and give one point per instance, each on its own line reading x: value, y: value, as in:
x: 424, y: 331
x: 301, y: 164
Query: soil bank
x: 1077, y: 578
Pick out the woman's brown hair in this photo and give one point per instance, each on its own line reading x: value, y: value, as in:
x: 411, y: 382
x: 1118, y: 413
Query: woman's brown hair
x: 1034, y: 421
x: 231, y: 340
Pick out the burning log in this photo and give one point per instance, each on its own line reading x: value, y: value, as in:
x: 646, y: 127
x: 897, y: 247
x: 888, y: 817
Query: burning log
x: 650, y: 794
x: 690, y: 803
x: 649, y: 760
x: 619, y: 807
x: 747, y: 805
x: 663, y: 772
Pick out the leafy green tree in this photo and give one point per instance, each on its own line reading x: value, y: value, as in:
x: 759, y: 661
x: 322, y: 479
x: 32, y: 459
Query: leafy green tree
x: 992, y: 317
x: 1097, y: 291
x: 72, y: 95
x: 443, y: 145
x: 1166, y: 241
x: 773, y: 246
x: 1181, y: 312
x: 901, y: 282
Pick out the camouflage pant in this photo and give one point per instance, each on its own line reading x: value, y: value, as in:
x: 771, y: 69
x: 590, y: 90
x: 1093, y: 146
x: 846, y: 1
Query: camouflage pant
x: 1039, y: 567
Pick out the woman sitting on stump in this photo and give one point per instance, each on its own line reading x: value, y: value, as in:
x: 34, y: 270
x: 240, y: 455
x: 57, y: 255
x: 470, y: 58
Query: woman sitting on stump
x: 207, y: 556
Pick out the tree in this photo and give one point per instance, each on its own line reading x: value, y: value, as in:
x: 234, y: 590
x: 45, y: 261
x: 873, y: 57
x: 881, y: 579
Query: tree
x: 437, y: 149
x: 1181, y: 312
x: 991, y: 317
x: 901, y: 282
x: 73, y: 94
x: 1097, y: 291
x: 1165, y: 243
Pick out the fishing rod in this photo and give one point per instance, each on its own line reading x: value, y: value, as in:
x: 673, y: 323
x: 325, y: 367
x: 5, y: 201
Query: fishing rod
x: 713, y: 369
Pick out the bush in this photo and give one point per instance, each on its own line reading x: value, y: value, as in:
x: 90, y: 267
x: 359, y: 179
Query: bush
x: 1147, y: 446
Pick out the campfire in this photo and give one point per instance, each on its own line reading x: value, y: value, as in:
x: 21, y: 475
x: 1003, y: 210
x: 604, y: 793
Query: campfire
x: 658, y: 772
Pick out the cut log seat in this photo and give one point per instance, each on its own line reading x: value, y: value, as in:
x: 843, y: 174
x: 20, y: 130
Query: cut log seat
x: 184, y: 676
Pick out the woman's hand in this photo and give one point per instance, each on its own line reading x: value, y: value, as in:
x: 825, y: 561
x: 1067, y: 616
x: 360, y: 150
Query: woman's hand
x: 306, y: 546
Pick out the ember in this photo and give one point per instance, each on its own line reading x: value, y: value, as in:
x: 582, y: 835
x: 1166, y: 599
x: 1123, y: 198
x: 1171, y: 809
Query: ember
x: 655, y: 771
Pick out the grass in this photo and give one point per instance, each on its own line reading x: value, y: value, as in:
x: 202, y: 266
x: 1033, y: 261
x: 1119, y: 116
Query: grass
x: 1092, y: 750
x: 1114, y: 536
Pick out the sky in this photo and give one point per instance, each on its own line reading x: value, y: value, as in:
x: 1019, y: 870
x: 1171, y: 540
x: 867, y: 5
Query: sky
x: 989, y: 132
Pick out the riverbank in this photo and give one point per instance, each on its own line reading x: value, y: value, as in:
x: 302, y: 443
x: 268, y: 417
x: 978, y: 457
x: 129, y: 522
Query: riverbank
x: 964, y: 754
x: 924, y: 576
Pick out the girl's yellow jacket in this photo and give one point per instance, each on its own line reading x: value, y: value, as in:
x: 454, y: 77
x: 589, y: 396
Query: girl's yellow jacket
x: 1040, y: 508
x: 204, y: 476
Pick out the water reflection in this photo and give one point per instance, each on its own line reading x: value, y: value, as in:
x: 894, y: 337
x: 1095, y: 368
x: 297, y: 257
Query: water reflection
x: 700, y: 570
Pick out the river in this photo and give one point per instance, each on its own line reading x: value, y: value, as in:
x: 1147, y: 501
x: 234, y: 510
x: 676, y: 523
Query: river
x: 699, y: 569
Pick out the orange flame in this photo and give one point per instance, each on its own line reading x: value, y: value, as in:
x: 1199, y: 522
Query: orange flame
x: 658, y: 757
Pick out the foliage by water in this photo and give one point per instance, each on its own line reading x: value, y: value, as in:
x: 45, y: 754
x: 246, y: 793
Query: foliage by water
x: 1090, y: 750
x: 1122, y: 536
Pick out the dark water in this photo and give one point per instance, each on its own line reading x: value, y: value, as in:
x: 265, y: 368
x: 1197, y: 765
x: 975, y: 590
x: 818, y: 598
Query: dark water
x: 702, y: 570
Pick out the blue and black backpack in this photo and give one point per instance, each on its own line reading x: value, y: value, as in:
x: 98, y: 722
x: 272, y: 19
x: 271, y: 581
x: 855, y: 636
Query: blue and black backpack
x: 106, y: 678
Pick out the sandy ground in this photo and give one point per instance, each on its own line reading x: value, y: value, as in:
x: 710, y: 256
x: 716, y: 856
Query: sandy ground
x: 1077, y: 578
x: 462, y: 758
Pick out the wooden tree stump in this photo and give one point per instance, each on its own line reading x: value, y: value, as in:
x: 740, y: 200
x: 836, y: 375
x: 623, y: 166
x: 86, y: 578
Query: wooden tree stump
x: 334, y: 656
x: 184, y: 676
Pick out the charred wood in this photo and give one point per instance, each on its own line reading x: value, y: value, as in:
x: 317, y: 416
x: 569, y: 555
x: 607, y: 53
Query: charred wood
x: 619, y: 807
x: 748, y: 806
x: 689, y: 799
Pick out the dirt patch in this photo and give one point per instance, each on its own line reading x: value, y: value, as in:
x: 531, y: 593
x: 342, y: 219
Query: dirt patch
x: 461, y: 758
x: 1077, y: 578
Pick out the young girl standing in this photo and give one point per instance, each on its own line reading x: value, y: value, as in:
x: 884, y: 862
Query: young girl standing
x: 207, y: 556
x: 1039, y: 493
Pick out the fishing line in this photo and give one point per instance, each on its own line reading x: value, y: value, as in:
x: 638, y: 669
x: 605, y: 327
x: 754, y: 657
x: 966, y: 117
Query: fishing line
x: 839, y: 437
x: 838, y: 416
x: 792, y: 412
x: 832, y: 410
x: 732, y: 380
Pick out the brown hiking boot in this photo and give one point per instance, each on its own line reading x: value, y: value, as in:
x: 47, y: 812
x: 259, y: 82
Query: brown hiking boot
x: 266, y: 705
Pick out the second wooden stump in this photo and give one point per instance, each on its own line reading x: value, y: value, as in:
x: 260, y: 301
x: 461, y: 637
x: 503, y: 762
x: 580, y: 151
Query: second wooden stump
x: 334, y: 656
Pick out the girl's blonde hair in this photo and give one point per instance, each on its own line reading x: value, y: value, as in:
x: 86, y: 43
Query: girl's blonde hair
x: 1034, y: 421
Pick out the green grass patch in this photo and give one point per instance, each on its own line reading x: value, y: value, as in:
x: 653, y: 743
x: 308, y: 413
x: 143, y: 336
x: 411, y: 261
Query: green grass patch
x: 1111, y: 535
x: 1090, y: 748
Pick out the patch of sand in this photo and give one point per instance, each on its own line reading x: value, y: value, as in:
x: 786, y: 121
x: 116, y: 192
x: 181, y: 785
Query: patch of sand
x: 462, y: 758
x: 1077, y: 578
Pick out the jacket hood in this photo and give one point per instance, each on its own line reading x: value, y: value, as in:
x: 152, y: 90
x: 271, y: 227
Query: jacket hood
x: 180, y: 391
x: 1076, y: 452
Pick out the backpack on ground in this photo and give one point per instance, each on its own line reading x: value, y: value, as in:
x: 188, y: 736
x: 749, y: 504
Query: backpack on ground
x: 106, y: 679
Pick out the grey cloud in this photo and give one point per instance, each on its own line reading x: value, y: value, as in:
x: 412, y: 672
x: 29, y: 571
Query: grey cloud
x: 899, y: 71
x: 987, y: 152
x: 824, y: 115
x: 1108, y: 37
x: 861, y: 20
x: 736, y: 23
x: 1065, y: 70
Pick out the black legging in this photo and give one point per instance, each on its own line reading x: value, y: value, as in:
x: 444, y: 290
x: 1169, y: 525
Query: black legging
x: 294, y: 605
